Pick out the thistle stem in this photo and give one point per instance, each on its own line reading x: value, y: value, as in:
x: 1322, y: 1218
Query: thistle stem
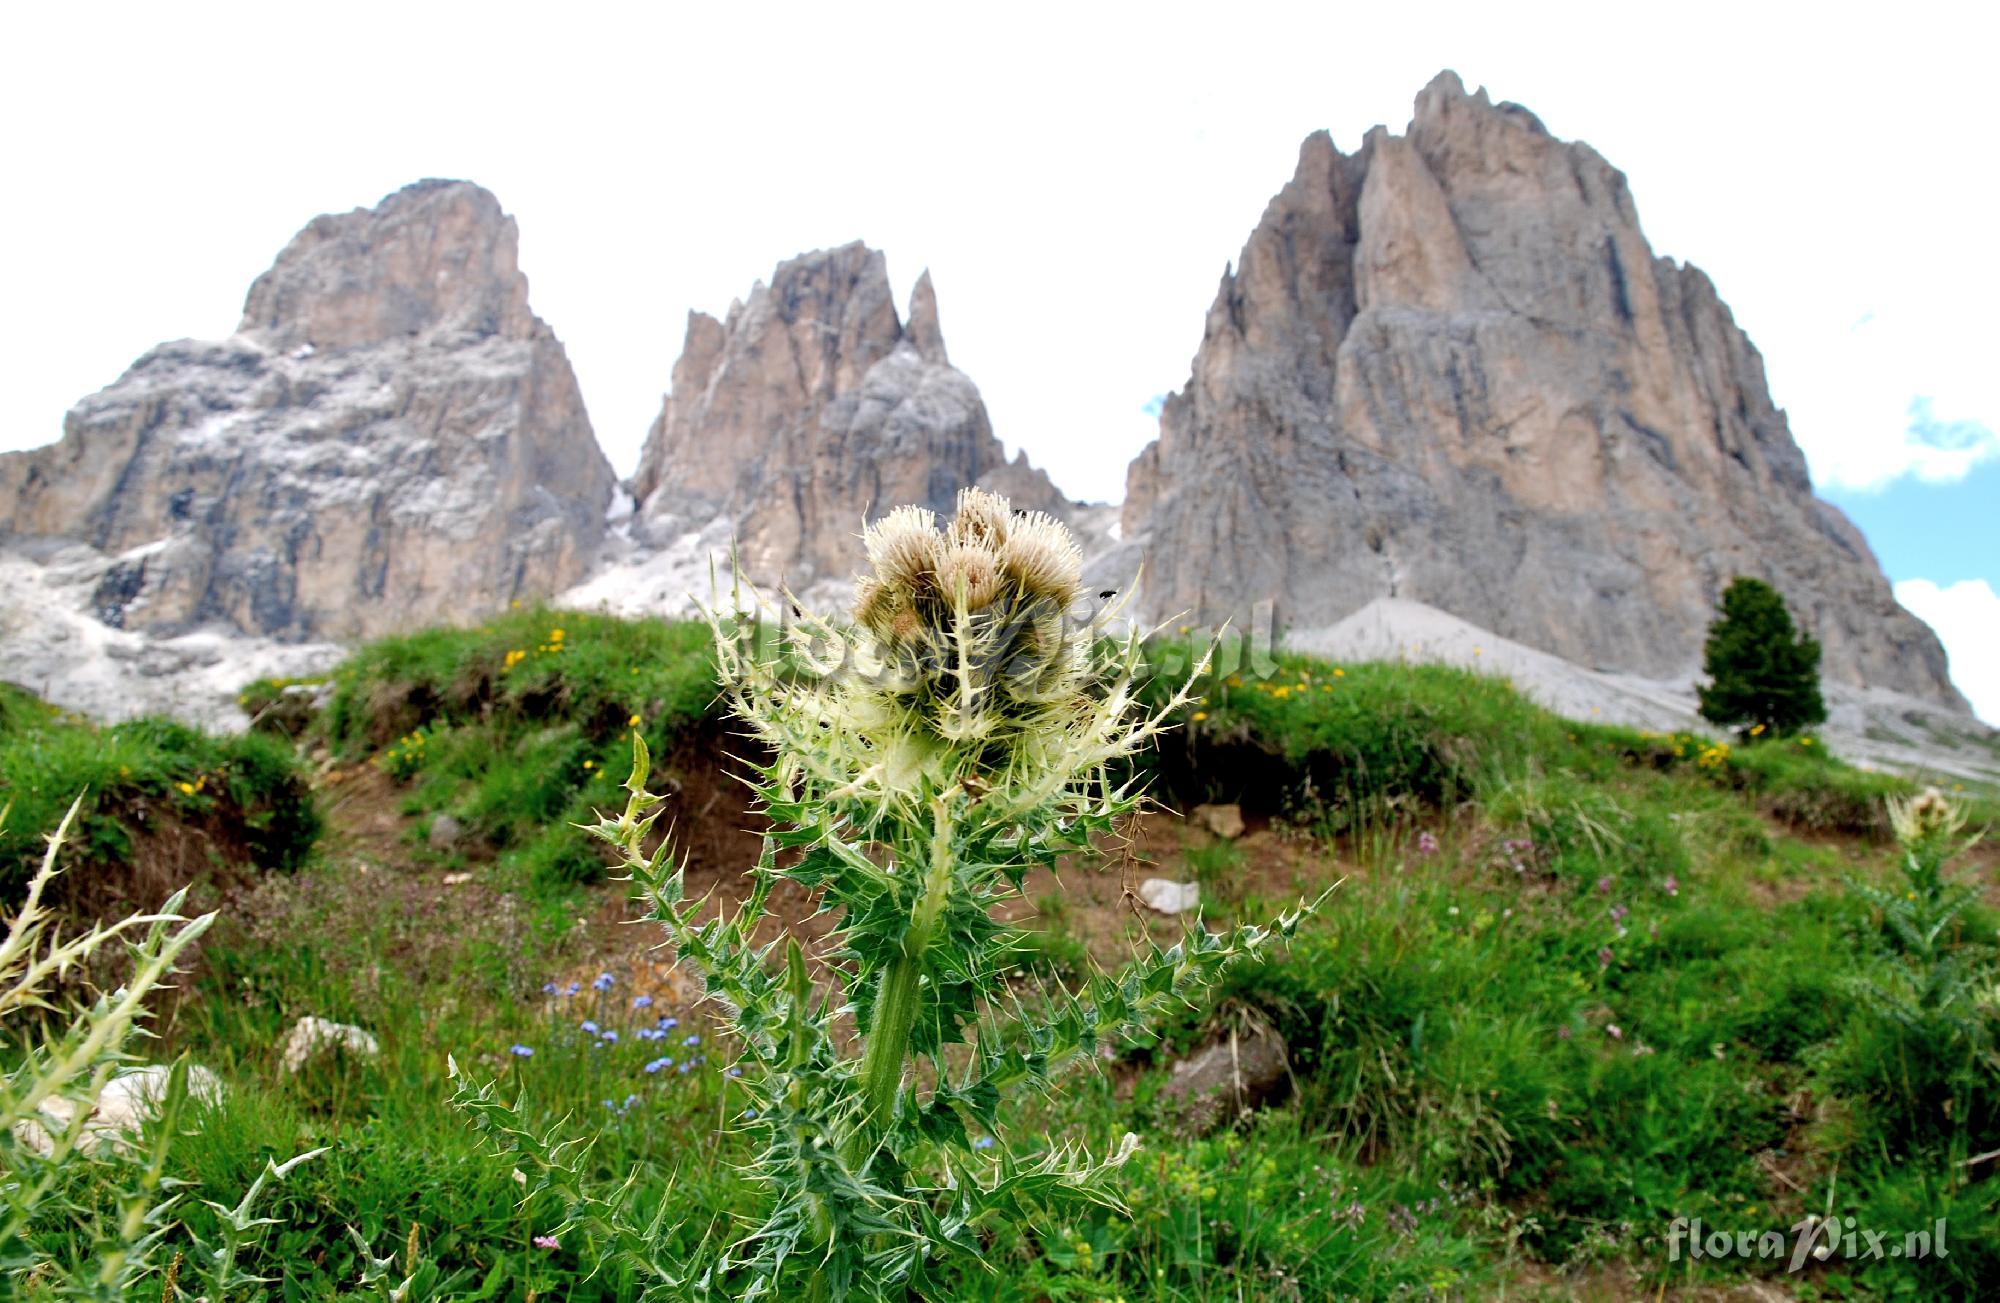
x: 888, y: 1045
x: 889, y: 1040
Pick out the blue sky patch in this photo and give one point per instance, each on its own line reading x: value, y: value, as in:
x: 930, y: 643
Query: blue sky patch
x: 1941, y: 532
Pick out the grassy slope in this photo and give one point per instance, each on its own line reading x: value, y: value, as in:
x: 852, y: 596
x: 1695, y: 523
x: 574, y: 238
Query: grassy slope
x: 1580, y: 981
x: 245, y: 797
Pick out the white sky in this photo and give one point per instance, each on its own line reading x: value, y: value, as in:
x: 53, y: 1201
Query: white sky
x: 1074, y: 176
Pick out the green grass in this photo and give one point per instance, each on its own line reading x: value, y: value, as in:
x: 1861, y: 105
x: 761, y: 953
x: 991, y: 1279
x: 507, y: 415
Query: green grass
x: 246, y: 795
x: 1465, y: 1120
x: 519, y: 727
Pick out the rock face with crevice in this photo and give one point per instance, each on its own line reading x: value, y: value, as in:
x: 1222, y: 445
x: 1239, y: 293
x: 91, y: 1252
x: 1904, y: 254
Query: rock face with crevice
x: 392, y: 438
x: 811, y: 409
x: 1449, y: 368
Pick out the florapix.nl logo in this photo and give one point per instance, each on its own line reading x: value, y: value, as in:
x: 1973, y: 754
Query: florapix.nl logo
x: 1809, y: 1240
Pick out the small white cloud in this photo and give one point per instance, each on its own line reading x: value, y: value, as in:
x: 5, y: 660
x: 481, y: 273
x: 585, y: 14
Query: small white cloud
x: 1966, y: 616
x: 1885, y: 399
x: 1941, y: 451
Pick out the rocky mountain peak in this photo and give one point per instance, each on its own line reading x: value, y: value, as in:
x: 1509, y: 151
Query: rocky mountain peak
x: 810, y: 410
x: 392, y: 439
x: 922, y: 330
x: 434, y: 258
x: 1449, y: 368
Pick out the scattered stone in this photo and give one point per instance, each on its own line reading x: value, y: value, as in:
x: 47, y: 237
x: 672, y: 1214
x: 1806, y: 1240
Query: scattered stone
x: 445, y: 832
x: 1236, y: 1074
x: 126, y: 1104
x: 1167, y: 897
x: 1225, y: 821
x: 312, y: 1036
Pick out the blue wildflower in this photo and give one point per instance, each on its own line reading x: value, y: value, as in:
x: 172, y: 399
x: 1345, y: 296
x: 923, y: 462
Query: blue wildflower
x: 669, y: 1022
x: 657, y: 1064
x: 736, y: 1072
x: 523, y: 1052
x: 548, y: 988
x: 692, y: 1040
x: 589, y: 1025
x: 572, y: 989
x: 683, y: 1068
x: 611, y: 1038
x: 749, y: 1112
x: 603, y: 982
x: 984, y: 1142
x: 642, y: 1002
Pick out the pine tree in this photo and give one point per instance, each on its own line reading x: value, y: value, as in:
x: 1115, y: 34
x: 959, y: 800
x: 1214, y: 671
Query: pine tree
x: 1762, y: 670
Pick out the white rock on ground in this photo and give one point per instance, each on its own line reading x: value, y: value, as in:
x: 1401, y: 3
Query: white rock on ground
x: 128, y: 1102
x: 1166, y: 897
x: 311, y: 1036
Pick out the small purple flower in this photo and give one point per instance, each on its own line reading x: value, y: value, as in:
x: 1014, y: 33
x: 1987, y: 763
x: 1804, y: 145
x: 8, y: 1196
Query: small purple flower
x: 668, y: 1022
x: 572, y: 988
x: 642, y: 1002
x: 750, y: 1113
x: 609, y: 1105
x: 522, y: 1052
x: 692, y: 1040
x: 1563, y: 1033
x: 1611, y: 1030
x: 657, y: 1064
x: 590, y: 1025
x: 630, y: 1100
x: 736, y: 1072
x: 683, y: 1068
x: 603, y: 982
x: 1604, y: 957
x: 1673, y: 885
x: 984, y: 1142
x: 1604, y: 885
x: 1427, y: 844
x: 1618, y: 913
x: 546, y: 1242
x: 610, y: 1038
x: 549, y: 988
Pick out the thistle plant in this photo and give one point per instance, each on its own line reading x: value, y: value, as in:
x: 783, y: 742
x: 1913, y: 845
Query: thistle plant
x: 1936, y: 977
x: 62, y: 1057
x: 965, y: 730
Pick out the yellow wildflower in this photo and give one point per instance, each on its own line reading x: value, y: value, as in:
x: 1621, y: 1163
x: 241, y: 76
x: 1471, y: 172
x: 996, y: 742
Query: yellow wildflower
x: 1199, y: 716
x: 632, y: 722
x: 187, y: 789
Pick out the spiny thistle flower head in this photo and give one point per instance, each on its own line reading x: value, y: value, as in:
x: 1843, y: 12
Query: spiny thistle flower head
x: 1927, y: 815
x: 969, y: 617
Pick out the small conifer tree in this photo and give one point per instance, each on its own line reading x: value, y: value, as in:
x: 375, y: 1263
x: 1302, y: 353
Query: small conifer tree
x: 1763, y: 672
